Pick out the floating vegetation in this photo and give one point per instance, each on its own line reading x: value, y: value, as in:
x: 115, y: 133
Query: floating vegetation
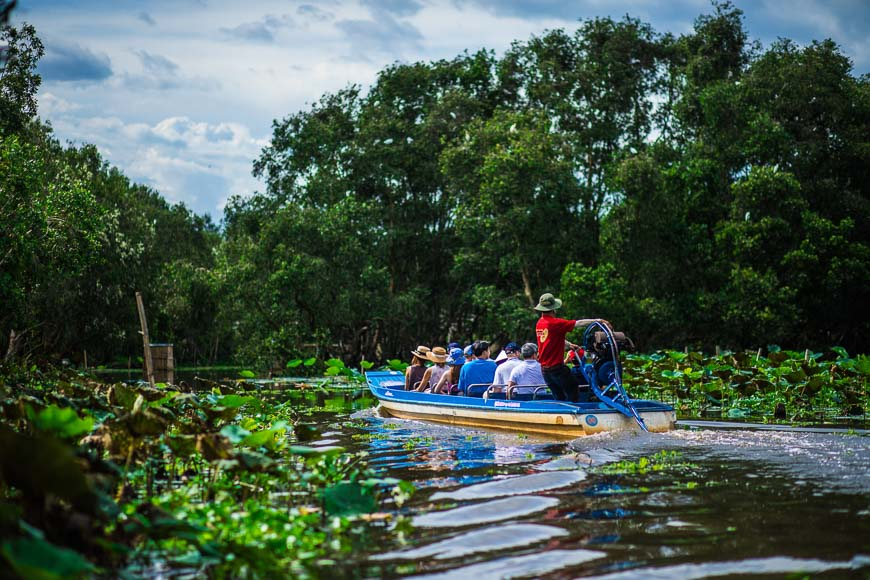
x: 119, y: 478
x: 662, y: 461
x: 783, y: 385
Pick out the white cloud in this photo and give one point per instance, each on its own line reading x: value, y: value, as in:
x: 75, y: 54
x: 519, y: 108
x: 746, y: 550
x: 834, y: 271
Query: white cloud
x: 50, y: 105
x: 198, y: 163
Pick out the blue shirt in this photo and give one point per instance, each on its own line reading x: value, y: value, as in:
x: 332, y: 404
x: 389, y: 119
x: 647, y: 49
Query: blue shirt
x: 476, y: 372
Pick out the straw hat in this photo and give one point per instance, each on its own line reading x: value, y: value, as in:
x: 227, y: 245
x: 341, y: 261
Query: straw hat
x: 422, y: 352
x: 437, y: 354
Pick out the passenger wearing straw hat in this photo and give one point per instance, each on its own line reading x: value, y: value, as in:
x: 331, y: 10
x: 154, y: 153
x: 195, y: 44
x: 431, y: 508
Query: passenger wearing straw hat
x: 450, y: 380
x: 415, y: 371
x: 433, y: 374
x: 551, y: 333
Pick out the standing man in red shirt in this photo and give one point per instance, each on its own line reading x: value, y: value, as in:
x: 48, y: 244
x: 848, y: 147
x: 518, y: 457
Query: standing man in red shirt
x: 551, y: 333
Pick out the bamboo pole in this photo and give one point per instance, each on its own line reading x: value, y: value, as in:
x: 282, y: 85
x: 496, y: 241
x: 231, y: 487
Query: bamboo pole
x: 149, y: 365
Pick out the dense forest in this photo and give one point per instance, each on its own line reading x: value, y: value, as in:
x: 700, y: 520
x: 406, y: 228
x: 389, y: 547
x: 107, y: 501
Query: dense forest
x: 695, y: 190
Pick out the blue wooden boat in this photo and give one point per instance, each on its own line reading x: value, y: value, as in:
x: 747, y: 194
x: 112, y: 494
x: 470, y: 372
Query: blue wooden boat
x: 547, y: 417
x: 536, y: 411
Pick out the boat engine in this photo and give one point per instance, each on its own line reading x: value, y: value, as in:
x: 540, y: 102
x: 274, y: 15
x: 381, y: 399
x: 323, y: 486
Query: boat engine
x: 603, y: 368
x: 602, y: 352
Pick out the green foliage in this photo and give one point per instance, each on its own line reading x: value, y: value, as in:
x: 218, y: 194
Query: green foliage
x: 62, y: 422
x: 216, y: 482
x: 19, y: 82
x: 694, y: 190
x: 747, y: 385
x: 38, y: 559
x: 661, y: 461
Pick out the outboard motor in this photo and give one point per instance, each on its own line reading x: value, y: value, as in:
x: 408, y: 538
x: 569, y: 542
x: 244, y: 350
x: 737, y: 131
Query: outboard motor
x: 603, y: 368
x: 604, y: 358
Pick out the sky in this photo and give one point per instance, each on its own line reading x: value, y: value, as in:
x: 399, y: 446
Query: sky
x: 181, y: 94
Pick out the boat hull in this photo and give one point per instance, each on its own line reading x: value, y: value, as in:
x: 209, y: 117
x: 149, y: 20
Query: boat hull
x: 553, y: 418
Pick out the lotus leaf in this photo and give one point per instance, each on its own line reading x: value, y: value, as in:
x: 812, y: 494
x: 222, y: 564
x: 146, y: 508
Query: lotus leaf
x: 62, y: 422
x: 348, y: 498
x: 38, y: 559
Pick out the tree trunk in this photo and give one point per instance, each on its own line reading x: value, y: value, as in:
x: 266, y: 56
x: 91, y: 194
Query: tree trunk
x: 14, y: 344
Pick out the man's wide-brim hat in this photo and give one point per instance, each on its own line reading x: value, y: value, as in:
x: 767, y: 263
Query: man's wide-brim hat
x: 422, y: 352
x: 437, y: 355
x: 548, y: 302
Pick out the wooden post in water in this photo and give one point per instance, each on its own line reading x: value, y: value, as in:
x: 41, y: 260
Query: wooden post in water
x: 163, y: 363
x: 149, y: 367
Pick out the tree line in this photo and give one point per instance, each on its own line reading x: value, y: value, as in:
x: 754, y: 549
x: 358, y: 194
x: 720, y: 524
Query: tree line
x: 695, y: 190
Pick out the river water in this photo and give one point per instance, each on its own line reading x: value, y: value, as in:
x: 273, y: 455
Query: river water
x: 694, y: 503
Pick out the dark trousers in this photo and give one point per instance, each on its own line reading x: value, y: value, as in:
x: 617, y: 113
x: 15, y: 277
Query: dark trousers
x: 561, y: 383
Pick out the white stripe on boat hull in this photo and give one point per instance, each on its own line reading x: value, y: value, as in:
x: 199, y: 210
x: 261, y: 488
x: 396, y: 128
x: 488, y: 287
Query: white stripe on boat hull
x: 562, y: 424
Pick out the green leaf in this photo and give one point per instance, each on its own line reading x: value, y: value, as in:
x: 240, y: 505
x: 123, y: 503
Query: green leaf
x: 842, y: 352
x: 333, y: 371
x: 366, y: 364
x: 235, y: 433
x: 182, y: 445
x: 247, y: 374
x: 335, y: 362
x: 37, y: 559
x: 235, y: 401
x: 737, y: 413
x: 306, y: 451
x: 348, y: 498
x: 310, y: 361
x: 259, y: 439
x: 294, y: 363
x: 63, y: 422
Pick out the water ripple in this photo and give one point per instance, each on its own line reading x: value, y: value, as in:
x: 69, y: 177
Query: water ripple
x: 487, y: 512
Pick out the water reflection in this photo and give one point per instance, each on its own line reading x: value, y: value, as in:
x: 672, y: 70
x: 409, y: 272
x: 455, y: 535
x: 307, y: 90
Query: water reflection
x: 487, y: 512
x: 739, y: 501
x: 519, y: 566
x: 754, y: 567
x: 523, y: 484
x: 494, y: 539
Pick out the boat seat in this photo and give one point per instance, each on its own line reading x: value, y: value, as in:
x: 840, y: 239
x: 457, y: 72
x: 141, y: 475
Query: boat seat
x: 530, y: 393
x: 476, y: 389
x: 496, y: 392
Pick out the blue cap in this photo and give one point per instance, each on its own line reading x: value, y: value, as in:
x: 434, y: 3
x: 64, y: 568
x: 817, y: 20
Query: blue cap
x: 456, y: 357
x: 511, y: 347
x: 453, y: 345
x: 469, y: 350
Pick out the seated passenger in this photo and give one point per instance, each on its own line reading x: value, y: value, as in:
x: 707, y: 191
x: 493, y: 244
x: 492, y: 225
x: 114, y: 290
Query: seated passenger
x: 481, y: 370
x: 527, y: 374
x: 511, y: 359
x: 449, y: 382
x: 434, y: 373
x: 415, y: 371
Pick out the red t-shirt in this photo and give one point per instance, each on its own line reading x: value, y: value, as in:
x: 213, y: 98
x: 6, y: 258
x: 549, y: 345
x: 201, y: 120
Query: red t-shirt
x: 551, y: 333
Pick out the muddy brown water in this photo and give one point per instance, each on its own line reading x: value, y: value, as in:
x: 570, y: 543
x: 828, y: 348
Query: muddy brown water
x: 724, y: 503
